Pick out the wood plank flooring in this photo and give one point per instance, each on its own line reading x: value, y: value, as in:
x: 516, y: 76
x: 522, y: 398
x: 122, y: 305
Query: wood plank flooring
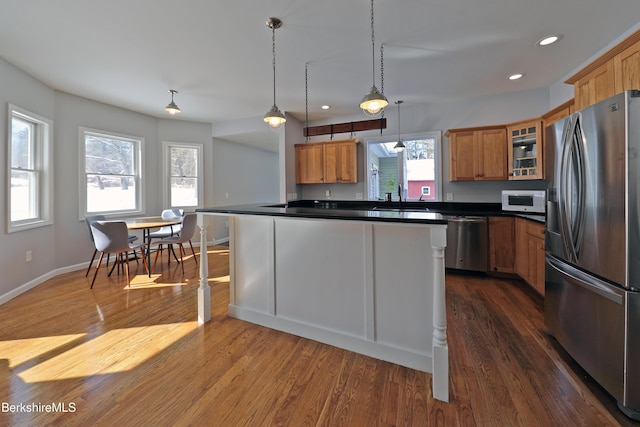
x: 136, y: 356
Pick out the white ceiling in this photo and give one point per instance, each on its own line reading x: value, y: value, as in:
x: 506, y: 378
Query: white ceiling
x: 217, y: 54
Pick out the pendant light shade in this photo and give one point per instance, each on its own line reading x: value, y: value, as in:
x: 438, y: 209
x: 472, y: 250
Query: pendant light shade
x: 399, y: 145
x: 274, y: 116
x: 172, y: 108
x: 373, y: 102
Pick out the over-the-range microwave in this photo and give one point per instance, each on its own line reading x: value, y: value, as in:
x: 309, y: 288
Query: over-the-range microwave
x: 523, y: 201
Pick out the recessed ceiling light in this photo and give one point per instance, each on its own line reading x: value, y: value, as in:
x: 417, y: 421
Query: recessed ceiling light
x: 516, y: 76
x: 546, y: 41
x: 326, y: 107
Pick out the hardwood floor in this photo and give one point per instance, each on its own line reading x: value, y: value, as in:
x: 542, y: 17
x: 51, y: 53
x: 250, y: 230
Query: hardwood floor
x: 118, y: 355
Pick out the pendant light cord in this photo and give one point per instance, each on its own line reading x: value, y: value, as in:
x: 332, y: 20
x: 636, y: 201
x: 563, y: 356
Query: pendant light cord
x: 373, y: 50
x: 273, y: 41
x: 306, y: 99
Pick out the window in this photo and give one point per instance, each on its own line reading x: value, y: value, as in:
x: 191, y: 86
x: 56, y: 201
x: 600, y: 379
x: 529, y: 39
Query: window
x: 183, y: 175
x: 31, y: 177
x: 112, y: 169
x: 416, y: 169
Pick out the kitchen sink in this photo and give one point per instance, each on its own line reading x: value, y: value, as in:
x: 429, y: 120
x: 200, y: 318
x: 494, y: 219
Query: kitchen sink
x: 386, y: 209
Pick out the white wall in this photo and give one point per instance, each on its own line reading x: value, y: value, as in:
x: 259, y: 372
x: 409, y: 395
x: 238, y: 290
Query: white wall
x: 241, y: 175
x: 22, y: 90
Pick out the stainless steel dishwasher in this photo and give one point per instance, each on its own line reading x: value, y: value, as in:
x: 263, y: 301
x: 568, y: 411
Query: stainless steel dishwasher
x: 467, y: 243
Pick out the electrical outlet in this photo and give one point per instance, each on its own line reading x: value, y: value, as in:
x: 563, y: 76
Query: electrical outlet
x: 359, y: 196
x: 28, y: 256
x: 328, y: 194
x: 449, y: 197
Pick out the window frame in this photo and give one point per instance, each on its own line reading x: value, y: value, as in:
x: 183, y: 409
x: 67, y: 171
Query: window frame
x: 138, y: 173
x: 437, y: 135
x: 166, y: 181
x: 43, y: 165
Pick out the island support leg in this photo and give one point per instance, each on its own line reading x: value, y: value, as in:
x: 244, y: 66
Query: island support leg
x: 440, y: 348
x: 204, y: 290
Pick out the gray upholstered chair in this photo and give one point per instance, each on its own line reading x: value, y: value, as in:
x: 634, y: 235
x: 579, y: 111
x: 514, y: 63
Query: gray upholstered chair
x: 93, y: 218
x: 186, y: 233
x: 168, y: 230
x: 112, y: 237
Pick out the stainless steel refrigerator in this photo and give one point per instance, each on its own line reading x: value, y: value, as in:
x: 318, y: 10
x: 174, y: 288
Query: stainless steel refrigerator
x: 592, y: 289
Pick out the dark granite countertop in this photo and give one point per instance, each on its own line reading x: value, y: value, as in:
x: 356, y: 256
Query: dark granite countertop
x: 359, y: 210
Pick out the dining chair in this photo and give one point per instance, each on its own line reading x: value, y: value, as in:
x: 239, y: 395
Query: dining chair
x: 112, y: 237
x: 169, y: 230
x: 186, y: 233
x: 88, y: 219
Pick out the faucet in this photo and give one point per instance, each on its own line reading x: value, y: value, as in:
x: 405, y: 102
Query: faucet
x: 399, y: 196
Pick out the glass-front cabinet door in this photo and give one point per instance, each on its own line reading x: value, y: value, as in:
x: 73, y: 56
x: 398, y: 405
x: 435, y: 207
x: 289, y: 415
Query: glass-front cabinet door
x: 525, y: 150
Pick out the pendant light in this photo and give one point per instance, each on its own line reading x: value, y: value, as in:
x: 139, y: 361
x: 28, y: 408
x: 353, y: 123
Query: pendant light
x: 399, y: 145
x: 172, y: 108
x: 274, y: 116
x: 374, y: 102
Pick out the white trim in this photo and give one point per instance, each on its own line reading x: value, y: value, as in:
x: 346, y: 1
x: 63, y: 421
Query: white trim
x: 412, y: 136
x: 166, y: 173
x: 138, y: 159
x: 44, y: 165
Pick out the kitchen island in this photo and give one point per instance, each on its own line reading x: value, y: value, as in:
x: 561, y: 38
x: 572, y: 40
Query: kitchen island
x: 365, y: 277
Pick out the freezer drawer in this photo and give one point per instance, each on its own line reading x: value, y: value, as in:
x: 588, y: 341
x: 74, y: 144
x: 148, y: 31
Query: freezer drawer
x: 587, y: 317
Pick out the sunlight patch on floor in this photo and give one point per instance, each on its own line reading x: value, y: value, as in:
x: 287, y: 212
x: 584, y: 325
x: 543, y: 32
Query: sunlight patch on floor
x: 21, y: 351
x: 114, y: 351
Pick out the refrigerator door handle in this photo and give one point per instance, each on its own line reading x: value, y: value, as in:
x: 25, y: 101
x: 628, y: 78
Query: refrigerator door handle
x: 563, y: 214
x: 572, y: 160
x: 586, y: 282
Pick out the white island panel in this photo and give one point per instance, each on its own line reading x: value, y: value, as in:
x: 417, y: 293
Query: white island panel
x: 403, y: 272
x: 319, y: 271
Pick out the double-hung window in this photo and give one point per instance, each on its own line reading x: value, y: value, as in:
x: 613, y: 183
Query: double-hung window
x: 183, y: 175
x: 30, y: 178
x: 112, y: 170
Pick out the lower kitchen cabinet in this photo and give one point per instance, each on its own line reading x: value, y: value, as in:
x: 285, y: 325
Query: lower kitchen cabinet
x: 530, y: 252
x: 501, y: 241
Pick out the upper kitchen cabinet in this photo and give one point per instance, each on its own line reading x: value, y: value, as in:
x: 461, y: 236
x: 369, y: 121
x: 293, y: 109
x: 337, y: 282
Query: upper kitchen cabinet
x: 558, y: 113
x: 525, y: 150
x: 615, y: 71
x: 309, y: 164
x: 341, y: 161
x: 627, y: 68
x: 595, y: 86
x: 327, y: 162
x: 478, y: 154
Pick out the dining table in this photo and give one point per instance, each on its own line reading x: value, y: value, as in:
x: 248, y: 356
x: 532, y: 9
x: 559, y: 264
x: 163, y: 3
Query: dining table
x: 146, y: 224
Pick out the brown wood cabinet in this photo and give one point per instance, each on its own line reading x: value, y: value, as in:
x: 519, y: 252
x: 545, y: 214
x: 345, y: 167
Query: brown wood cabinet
x: 615, y: 71
x: 501, y: 243
x: 309, y: 164
x: 626, y: 67
x: 327, y: 162
x: 478, y: 154
x: 530, y: 252
x: 560, y: 112
x: 525, y: 150
x: 596, y: 86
